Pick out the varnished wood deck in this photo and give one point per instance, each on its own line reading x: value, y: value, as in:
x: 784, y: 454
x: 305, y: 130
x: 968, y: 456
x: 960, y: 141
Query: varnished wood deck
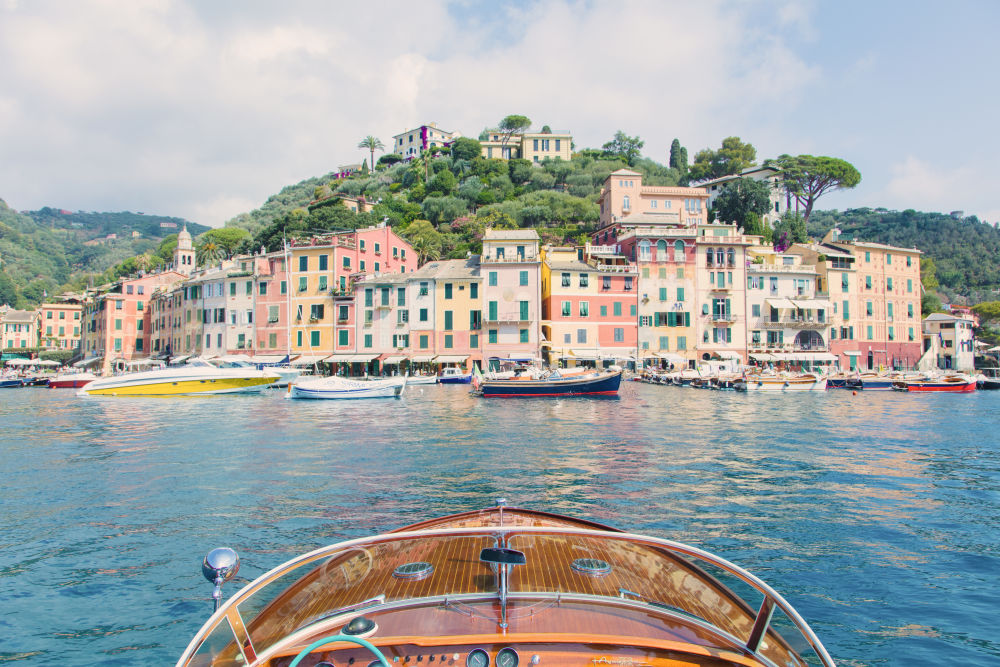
x: 360, y: 574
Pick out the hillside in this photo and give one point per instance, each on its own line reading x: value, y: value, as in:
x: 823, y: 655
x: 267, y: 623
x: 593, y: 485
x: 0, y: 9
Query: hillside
x: 965, y: 251
x: 47, y: 251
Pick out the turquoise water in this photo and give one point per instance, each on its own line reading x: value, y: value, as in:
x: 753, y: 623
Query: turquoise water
x: 876, y: 515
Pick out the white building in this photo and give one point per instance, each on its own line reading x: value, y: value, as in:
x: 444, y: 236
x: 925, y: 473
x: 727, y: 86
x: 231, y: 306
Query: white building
x: 770, y: 175
x: 952, y: 338
x: 411, y: 143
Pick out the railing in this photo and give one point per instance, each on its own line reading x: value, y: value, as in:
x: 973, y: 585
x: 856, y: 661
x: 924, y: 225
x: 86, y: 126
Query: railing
x: 512, y: 316
x: 235, y: 618
x: 516, y: 259
x: 792, y: 323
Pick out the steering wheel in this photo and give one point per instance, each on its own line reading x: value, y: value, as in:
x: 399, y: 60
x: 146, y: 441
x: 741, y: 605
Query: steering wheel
x: 340, y: 638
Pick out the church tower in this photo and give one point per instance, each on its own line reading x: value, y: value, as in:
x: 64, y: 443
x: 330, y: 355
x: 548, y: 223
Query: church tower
x: 184, y: 254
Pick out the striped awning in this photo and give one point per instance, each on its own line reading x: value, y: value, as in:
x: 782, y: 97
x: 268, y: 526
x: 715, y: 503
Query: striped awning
x: 423, y: 359
x: 394, y: 360
x: 307, y: 360
x: 781, y: 304
x: 450, y: 358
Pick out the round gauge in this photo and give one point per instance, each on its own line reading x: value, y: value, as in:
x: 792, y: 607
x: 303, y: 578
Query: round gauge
x: 507, y: 657
x: 477, y: 658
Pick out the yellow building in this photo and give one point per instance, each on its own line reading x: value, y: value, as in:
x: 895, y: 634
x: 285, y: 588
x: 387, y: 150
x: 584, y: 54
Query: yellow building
x: 532, y: 146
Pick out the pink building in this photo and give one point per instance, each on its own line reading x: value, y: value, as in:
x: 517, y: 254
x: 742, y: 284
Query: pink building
x: 510, y: 267
x: 624, y: 200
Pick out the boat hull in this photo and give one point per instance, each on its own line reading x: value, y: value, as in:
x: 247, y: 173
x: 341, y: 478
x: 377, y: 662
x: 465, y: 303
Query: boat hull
x: 785, y: 384
x: 455, y: 379
x: 952, y: 387
x: 10, y: 383
x: 606, y: 384
x: 241, y: 385
x: 341, y: 389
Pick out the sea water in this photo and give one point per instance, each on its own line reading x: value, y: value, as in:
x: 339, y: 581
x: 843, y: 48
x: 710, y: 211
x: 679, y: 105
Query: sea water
x: 877, y: 515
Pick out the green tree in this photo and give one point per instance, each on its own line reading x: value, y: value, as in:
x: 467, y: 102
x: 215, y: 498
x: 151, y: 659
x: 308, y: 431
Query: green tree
x: 930, y: 303
x: 624, y: 147
x: 424, y: 239
x: 790, y: 229
x: 388, y: 160
x: 511, y: 125
x: 806, y: 178
x: 8, y: 290
x: 732, y: 158
x: 208, y: 253
x: 443, y: 209
x: 928, y: 274
x: 466, y: 148
x: 988, y: 311
x: 519, y: 171
x: 372, y: 144
x: 444, y: 183
x: 740, y: 198
x: 227, y: 240
x: 679, y: 160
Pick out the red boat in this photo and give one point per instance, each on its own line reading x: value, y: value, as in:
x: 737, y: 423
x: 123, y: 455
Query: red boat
x: 959, y: 384
x: 71, y: 380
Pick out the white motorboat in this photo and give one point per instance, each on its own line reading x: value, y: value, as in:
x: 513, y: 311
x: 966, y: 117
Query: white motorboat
x: 421, y: 379
x: 194, y: 378
x: 286, y: 374
x: 339, y: 388
x: 803, y: 382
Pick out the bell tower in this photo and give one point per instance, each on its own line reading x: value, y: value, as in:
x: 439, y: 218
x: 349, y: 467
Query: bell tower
x: 184, y: 253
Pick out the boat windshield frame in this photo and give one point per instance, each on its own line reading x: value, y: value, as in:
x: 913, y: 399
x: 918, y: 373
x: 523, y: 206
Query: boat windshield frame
x: 229, y: 612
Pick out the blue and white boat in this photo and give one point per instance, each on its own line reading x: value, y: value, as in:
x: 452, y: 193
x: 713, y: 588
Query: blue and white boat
x: 335, y: 387
x: 454, y: 375
x: 598, y: 383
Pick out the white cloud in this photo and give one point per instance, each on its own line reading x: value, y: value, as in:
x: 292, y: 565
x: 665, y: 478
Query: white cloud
x: 204, y: 110
x: 920, y: 185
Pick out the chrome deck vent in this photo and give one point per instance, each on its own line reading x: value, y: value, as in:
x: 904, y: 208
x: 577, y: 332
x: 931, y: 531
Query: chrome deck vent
x: 418, y: 570
x: 592, y: 567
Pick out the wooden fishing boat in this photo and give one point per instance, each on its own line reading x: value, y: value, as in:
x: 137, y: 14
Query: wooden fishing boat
x: 803, y: 382
x: 501, y: 587
x: 347, y: 388
x: 603, y: 383
x: 955, y: 383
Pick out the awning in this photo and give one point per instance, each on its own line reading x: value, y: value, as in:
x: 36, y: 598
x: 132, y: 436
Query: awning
x: 423, y: 359
x: 349, y: 358
x: 727, y: 354
x: 781, y: 304
x: 824, y: 356
x: 812, y: 304
x: 84, y: 363
x: 450, y: 358
x: 762, y: 356
x: 308, y: 360
x: 617, y: 354
x: 586, y: 354
x: 182, y: 358
x: 853, y: 353
x: 393, y: 360
x: 672, y: 358
x: 48, y: 362
x: 269, y: 359
x: 520, y: 356
x: 20, y: 362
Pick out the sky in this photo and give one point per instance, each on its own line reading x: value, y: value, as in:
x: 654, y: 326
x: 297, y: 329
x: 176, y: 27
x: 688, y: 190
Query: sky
x: 203, y: 110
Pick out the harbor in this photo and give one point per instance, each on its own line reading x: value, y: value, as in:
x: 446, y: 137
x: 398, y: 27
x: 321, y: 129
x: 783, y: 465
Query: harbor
x: 873, y: 514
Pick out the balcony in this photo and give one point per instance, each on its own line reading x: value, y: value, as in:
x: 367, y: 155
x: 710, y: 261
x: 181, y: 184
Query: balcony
x: 516, y: 259
x: 383, y: 306
x: 720, y: 288
x: 792, y: 323
x: 724, y: 317
x: 510, y: 317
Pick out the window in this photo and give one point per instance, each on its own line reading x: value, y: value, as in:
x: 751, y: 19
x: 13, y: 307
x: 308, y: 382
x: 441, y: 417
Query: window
x: 473, y: 290
x: 342, y: 337
x: 605, y: 282
x: 628, y: 283
x: 617, y: 308
x: 378, y: 250
x: 423, y: 314
x: 584, y: 308
x: 888, y: 258
x: 423, y: 341
x: 909, y: 285
x: 298, y: 339
x: 567, y: 308
x: 682, y: 342
x: 908, y: 263
x: 523, y: 308
x: 619, y: 335
x: 910, y: 332
x: 844, y: 287
x: 314, y: 339
x: 119, y: 305
x: 604, y: 311
x: 909, y: 311
x: 869, y: 332
x: 401, y: 296
x: 118, y: 325
x: 284, y: 287
x: 888, y: 283
x: 475, y: 320
x: 304, y: 263
x: 846, y: 311
x: 523, y: 279
x: 581, y: 335
x: 626, y: 203
x: 492, y: 336
x: 868, y: 256
x: 322, y: 283
x: 449, y: 341
x: 361, y: 265
x: 492, y: 311
x: 663, y: 294
x: 347, y: 263
x: 868, y: 308
x: 369, y: 297
x: 868, y: 282
x: 755, y: 310
x: 493, y: 278
x: 262, y: 289
x: 448, y: 324
x: 315, y: 311
x: 368, y: 340
x: 447, y: 290
x: 303, y: 283
x: 565, y: 280
x: 385, y: 296
x: 474, y: 341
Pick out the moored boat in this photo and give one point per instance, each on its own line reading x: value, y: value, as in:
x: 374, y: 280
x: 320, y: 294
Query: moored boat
x: 199, y: 378
x: 421, y: 379
x: 10, y: 382
x: 955, y: 383
x: 71, y: 380
x: 554, y: 383
x: 988, y: 378
x: 454, y: 375
x: 335, y: 387
x: 803, y: 382
x: 503, y: 587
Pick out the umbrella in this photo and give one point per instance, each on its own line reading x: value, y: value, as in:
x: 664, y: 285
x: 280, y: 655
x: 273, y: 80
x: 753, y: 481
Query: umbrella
x: 19, y: 362
x: 48, y: 362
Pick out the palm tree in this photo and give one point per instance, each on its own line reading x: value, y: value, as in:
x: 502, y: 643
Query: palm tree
x: 372, y: 144
x: 210, y: 253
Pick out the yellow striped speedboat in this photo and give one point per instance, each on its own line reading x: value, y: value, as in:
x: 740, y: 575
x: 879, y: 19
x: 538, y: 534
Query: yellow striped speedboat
x: 190, y: 379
